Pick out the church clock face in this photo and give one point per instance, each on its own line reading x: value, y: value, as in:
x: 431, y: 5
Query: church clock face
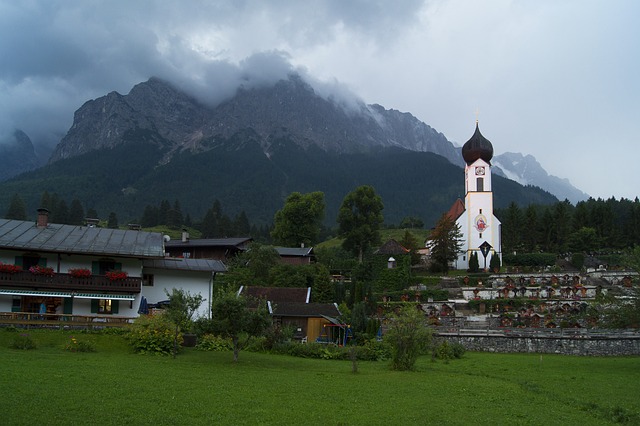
x: 479, y: 171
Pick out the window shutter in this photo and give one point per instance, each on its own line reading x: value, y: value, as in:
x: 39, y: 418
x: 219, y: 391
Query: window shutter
x: 115, y: 306
x: 18, y: 261
x: 42, y: 261
x: 117, y: 266
x: 95, y: 305
x: 95, y: 268
x: 68, y: 306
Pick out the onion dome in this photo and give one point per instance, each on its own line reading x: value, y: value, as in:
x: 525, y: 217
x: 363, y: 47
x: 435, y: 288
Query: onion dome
x: 477, y: 147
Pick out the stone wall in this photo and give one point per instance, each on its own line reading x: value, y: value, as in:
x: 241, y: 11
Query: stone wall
x: 579, y: 345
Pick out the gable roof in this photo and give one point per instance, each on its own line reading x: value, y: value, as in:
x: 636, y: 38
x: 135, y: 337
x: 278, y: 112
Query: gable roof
x: 56, y: 238
x: 456, y: 210
x: 295, y: 251
x: 305, y: 309
x: 173, y: 263
x: 392, y: 247
x: 278, y: 294
x: 238, y: 243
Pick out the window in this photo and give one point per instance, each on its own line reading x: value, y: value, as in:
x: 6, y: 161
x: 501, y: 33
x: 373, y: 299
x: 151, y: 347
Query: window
x: 480, y: 211
x: 480, y: 235
x: 147, y: 280
x: 102, y: 266
x: 480, y: 184
x: 30, y: 259
x: 104, y: 306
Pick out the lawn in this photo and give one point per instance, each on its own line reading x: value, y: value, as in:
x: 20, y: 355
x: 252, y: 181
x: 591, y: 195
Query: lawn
x: 113, y: 386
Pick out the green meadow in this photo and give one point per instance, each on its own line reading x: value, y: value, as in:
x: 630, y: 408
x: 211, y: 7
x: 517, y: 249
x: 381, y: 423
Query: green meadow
x: 52, y: 386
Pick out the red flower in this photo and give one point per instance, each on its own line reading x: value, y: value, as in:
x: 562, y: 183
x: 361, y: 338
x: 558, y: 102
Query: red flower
x: 79, y: 272
x: 41, y: 270
x: 11, y: 269
x: 116, y: 275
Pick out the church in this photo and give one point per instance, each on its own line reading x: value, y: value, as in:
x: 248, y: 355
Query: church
x: 480, y: 229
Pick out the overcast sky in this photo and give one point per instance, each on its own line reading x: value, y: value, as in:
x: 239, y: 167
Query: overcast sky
x: 555, y: 79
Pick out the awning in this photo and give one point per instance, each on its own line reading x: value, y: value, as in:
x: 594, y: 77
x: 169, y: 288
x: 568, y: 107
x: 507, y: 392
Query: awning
x: 68, y: 294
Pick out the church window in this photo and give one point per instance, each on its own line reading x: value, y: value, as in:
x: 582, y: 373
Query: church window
x: 480, y: 211
x: 480, y: 185
x: 480, y: 235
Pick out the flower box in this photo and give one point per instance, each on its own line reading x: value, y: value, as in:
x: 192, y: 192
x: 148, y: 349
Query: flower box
x: 41, y: 270
x: 79, y: 273
x: 11, y: 269
x: 116, y: 275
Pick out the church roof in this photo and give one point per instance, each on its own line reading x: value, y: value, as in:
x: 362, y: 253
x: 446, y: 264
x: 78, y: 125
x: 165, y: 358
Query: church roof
x: 456, y: 210
x: 477, y: 147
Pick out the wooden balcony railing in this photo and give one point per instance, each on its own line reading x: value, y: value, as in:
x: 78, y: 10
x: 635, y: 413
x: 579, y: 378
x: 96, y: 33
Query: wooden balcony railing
x: 31, y: 319
x: 67, y: 282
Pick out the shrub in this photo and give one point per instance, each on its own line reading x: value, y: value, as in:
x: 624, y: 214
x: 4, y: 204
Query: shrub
x: 152, y: 335
x: 443, y: 351
x: 23, y: 341
x: 76, y: 345
x: 211, y: 342
x: 458, y: 350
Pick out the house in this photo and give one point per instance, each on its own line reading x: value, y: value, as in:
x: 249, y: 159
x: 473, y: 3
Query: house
x: 292, y: 307
x: 296, y: 255
x: 62, y: 269
x: 207, y: 248
x: 195, y: 276
x: 56, y: 271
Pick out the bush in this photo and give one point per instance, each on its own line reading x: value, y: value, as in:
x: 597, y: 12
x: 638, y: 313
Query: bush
x: 76, y: 345
x: 529, y: 259
x: 23, y: 341
x: 152, y: 335
x: 211, y: 342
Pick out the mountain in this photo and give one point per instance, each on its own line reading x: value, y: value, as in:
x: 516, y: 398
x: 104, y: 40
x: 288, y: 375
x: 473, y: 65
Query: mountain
x: 527, y: 171
x: 124, y: 152
x: 17, y: 155
x: 289, y: 107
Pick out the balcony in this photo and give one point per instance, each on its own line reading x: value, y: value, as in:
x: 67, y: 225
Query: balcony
x: 66, y: 282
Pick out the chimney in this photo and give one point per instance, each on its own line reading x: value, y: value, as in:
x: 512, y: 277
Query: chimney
x: 43, y: 218
x: 185, y: 236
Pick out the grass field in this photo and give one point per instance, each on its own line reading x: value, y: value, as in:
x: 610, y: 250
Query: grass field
x: 51, y: 386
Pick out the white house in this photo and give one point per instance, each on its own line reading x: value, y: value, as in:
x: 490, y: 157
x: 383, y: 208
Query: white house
x: 54, y: 269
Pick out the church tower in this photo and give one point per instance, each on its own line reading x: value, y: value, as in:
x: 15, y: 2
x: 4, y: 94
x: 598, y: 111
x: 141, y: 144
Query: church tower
x: 480, y: 229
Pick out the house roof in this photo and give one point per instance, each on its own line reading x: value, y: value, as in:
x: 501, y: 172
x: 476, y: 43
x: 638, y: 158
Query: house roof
x: 392, y: 247
x: 25, y: 235
x: 456, y: 210
x: 278, y: 295
x: 305, y: 309
x: 173, y: 263
x: 295, y: 251
x: 211, y: 242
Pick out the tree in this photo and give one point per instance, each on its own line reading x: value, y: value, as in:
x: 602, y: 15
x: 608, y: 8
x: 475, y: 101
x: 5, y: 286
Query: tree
x: 182, y: 306
x: 408, y: 336
x: 61, y: 213
x: 411, y: 222
x: 300, y: 220
x: 445, y: 243
x: 233, y: 317
x: 252, y: 267
x: 76, y: 213
x: 359, y: 219
x: 474, y: 264
x: 112, y: 222
x: 17, y: 209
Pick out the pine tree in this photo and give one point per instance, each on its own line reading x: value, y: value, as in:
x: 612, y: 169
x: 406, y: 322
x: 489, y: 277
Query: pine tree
x: 112, y: 222
x: 76, y: 213
x: 445, y: 243
x: 17, y: 209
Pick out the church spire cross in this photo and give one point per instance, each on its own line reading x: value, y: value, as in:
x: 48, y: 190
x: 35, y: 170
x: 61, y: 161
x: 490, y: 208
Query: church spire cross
x: 477, y: 113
